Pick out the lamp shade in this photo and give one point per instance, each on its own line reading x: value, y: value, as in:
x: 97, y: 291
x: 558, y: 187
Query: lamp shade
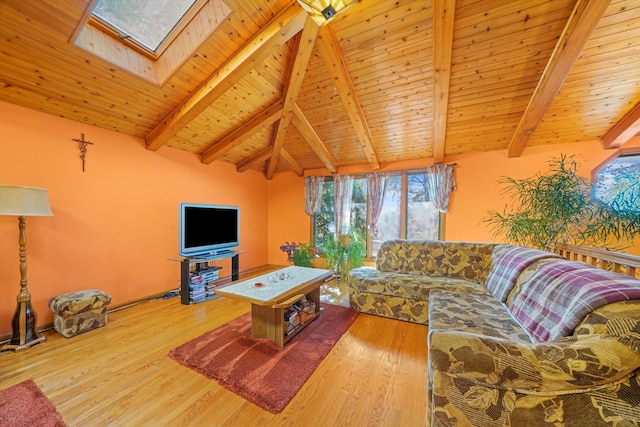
x: 24, y: 201
x: 322, y: 11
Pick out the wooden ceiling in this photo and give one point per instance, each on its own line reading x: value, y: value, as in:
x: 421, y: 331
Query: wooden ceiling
x: 258, y: 84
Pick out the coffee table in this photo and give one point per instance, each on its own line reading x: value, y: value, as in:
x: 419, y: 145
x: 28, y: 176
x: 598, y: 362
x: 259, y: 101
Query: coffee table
x: 273, y: 293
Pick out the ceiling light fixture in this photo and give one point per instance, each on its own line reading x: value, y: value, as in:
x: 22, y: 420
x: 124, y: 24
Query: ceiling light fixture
x: 322, y: 11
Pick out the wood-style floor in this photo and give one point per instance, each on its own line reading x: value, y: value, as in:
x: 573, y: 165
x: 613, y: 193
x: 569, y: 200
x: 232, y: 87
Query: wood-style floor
x: 120, y: 375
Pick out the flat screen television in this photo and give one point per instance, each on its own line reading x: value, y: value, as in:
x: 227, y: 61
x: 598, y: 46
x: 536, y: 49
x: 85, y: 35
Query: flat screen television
x: 208, y: 229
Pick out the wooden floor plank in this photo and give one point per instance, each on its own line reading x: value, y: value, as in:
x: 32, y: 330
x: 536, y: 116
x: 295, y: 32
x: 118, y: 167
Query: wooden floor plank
x: 121, y: 375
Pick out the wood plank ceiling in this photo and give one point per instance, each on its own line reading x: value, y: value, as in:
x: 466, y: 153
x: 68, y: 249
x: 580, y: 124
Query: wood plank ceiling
x: 258, y: 84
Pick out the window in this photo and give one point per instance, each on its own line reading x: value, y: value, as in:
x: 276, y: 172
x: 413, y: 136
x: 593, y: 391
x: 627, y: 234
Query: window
x: 406, y: 212
x: 146, y: 22
x: 617, y: 182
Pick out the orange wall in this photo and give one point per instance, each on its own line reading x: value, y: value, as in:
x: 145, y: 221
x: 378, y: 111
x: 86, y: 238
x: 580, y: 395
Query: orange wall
x: 287, y: 220
x: 477, y: 175
x: 477, y: 192
x: 116, y: 224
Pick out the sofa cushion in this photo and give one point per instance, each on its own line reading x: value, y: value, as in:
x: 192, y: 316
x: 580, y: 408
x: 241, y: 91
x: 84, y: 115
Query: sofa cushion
x: 413, y: 286
x: 562, y: 293
x: 469, y: 313
x: 460, y: 260
x: 405, y: 309
x: 73, y: 303
x: 508, y: 262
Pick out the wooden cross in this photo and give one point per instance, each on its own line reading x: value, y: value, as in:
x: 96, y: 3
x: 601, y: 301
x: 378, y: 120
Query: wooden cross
x: 83, y: 148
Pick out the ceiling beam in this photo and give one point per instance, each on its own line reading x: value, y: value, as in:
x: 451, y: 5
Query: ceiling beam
x: 332, y: 56
x: 583, y: 20
x: 443, y: 23
x: 314, y: 141
x: 624, y: 130
x: 295, y: 165
x: 298, y: 66
x: 279, y: 30
x: 261, y: 120
x: 256, y: 158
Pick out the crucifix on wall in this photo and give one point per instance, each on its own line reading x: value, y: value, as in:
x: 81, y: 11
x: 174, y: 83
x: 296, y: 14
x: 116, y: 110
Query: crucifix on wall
x: 82, y: 143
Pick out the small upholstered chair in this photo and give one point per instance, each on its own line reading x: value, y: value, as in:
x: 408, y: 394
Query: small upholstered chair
x: 78, y: 312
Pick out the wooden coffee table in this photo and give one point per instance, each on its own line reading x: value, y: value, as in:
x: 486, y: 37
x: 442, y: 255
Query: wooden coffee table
x: 271, y: 294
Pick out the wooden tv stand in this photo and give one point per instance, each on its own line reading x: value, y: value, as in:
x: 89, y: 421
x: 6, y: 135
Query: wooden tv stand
x: 197, y: 264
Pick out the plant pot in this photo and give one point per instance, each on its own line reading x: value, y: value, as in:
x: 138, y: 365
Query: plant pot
x: 318, y: 262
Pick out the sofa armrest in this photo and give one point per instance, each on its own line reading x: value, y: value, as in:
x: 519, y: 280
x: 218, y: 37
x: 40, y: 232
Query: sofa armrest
x: 566, y: 365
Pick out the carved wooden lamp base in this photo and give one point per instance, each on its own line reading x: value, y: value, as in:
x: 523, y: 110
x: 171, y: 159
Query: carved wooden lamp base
x: 22, y: 202
x: 24, y: 327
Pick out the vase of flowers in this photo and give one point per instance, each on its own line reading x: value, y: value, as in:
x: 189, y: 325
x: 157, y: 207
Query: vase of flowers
x: 289, y: 249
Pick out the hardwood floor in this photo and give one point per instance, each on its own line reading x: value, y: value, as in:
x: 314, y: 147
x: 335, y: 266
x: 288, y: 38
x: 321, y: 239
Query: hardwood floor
x: 120, y: 375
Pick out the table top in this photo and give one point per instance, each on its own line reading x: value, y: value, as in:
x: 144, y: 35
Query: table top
x: 276, y: 286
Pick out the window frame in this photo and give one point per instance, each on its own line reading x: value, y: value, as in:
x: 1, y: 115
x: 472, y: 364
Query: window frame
x: 621, y: 152
x: 404, y: 185
x: 130, y: 42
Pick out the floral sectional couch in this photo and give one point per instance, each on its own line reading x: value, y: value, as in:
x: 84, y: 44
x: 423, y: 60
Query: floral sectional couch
x: 517, y: 336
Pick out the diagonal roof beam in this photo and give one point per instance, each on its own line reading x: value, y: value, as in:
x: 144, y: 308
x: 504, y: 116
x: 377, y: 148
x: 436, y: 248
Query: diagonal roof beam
x: 256, y: 158
x: 332, y: 56
x: 279, y: 30
x: 624, y: 130
x: 314, y: 141
x: 302, y: 52
x: 443, y: 24
x: 248, y: 129
x: 585, y: 16
x: 295, y: 165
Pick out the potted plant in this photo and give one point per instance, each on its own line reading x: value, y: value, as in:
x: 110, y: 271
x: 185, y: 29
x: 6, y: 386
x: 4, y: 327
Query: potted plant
x: 289, y: 249
x: 343, y: 254
x: 559, y: 206
x: 303, y: 254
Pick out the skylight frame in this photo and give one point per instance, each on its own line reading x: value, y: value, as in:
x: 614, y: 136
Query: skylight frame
x: 113, y: 32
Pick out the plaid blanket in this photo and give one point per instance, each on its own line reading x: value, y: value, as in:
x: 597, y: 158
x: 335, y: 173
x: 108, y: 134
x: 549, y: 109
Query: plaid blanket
x: 508, y: 262
x: 560, y: 294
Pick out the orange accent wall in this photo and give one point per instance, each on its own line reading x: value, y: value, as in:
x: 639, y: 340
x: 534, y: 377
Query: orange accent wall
x: 478, y: 174
x: 116, y: 224
x: 287, y: 220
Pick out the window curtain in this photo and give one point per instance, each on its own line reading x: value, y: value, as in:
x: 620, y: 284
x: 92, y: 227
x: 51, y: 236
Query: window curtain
x: 312, y: 194
x: 376, y: 185
x: 343, y: 188
x: 441, y: 182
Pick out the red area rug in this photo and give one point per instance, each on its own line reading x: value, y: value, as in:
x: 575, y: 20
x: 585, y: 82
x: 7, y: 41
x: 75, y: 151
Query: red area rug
x: 24, y: 404
x: 257, y: 369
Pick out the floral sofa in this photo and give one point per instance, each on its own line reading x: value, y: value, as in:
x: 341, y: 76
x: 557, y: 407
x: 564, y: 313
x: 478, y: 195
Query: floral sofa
x: 517, y: 336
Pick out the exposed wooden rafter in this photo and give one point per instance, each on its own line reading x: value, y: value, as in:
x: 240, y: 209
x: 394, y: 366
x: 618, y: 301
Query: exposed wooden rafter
x: 314, y: 141
x: 281, y: 28
x: 292, y: 162
x: 443, y: 23
x: 332, y: 56
x: 583, y: 20
x: 254, y: 159
x: 246, y: 130
x: 302, y: 53
x: 624, y: 130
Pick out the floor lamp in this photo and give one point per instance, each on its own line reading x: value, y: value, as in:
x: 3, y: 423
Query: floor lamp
x: 23, y: 202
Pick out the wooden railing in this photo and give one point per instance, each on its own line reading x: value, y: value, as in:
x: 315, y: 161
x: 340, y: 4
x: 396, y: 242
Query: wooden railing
x: 607, y: 260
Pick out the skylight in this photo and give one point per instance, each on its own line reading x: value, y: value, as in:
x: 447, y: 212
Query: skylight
x: 147, y: 22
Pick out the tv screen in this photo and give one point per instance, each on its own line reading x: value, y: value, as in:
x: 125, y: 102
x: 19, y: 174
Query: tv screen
x: 208, y: 229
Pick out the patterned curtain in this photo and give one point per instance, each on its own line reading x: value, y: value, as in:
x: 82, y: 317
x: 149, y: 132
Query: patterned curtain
x: 343, y: 188
x: 441, y: 182
x: 376, y: 185
x: 312, y: 193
